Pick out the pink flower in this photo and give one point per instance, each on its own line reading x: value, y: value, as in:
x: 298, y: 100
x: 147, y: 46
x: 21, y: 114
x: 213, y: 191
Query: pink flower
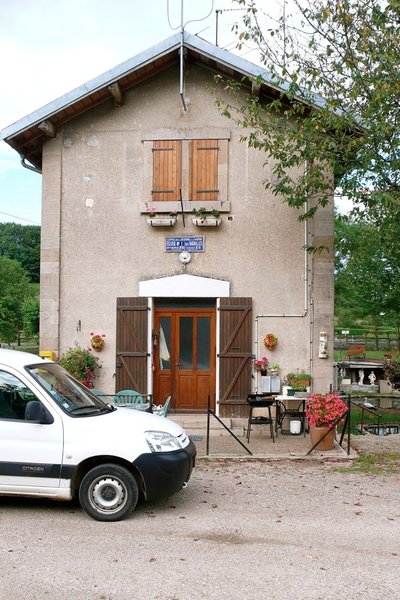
x: 325, y: 409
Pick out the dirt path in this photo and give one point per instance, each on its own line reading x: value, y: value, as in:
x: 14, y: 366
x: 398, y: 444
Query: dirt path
x: 276, y: 530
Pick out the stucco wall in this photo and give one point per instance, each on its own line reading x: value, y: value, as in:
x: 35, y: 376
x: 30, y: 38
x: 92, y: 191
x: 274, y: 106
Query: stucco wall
x: 93, y: 190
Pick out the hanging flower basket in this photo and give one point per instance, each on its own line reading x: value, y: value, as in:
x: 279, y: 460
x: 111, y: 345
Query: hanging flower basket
x: 97, y: 341
x: 270, y: 341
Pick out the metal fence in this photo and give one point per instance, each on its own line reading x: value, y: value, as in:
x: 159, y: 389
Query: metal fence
x: 386, y: 342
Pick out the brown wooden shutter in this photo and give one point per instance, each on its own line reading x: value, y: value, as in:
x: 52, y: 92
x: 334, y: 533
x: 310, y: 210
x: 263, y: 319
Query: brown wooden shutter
x: 167, y: 168
x: 204, y: 170
x: 132, y: 356
x: 235, y: 355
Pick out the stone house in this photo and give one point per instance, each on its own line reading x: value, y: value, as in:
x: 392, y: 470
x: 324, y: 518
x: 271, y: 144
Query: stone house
x: 184, y: 304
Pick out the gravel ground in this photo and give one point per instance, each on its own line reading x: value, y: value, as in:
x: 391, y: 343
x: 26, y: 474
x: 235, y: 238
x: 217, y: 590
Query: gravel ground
x: 376, y: 444
x: 256, y: 529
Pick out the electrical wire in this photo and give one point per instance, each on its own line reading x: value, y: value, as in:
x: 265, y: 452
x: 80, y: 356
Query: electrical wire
x: 20, y: 218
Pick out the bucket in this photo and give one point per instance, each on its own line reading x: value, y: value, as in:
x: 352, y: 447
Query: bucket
x: 295, y: 427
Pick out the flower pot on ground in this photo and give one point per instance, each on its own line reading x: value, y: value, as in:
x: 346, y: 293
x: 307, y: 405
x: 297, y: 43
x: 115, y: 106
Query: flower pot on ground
x: 324, y: 412
x: 327, y: 443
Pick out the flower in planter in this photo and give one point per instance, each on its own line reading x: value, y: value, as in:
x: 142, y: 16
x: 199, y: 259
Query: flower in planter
x: 202, y: 213
x: 81, y: 364
x: 270, y: 341
x: 261, y: 364
x: 323, y: 410
x: 151, y: 211
x: 298, y: 381
x: 97, y: 341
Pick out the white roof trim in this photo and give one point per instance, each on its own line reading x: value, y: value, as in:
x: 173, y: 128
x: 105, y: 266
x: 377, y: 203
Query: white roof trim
x: 184, y: 286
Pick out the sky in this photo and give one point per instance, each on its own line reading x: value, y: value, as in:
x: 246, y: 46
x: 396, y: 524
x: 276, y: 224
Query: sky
x: 49, y: 47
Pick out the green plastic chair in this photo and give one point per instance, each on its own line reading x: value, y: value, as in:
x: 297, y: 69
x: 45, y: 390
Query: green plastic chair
x: 127, y: 397
x: 166, y: 406
x: 162, y: 409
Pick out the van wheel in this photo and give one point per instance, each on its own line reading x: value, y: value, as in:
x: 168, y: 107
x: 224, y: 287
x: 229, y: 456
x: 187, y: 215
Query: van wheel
x: 108, y: 493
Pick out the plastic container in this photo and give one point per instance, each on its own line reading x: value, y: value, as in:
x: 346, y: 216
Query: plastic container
x: 295, y: 427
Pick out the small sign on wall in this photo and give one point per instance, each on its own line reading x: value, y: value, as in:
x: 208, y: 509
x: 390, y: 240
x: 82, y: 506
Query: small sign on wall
x: 190, y: 243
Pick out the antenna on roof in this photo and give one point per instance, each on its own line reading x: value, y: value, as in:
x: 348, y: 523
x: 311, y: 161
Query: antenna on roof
x: 181, y: 49
x: 182, y: 64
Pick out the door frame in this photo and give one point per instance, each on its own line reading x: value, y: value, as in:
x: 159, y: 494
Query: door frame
x: 177, y: 286
x: 195, y: 312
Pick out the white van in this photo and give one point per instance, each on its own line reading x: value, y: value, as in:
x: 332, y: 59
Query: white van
x: 58, y: 440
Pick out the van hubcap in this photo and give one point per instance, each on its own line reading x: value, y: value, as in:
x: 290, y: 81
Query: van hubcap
x: 107, y: 494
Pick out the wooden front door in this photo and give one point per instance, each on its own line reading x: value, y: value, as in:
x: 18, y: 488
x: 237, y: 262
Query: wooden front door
x: 184, y: 357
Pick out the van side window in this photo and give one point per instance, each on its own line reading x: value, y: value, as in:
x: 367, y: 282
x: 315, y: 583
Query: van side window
x: 14, y: 396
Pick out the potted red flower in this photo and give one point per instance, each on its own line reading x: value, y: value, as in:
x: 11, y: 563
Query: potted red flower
x: 261, y: 365
x: 323, y: 412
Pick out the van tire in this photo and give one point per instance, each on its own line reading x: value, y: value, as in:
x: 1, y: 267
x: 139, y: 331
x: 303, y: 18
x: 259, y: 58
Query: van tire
x: 108, y: 492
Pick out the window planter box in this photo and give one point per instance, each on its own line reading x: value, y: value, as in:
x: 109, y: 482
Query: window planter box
x: 206, y: 221
x: 161, y: 221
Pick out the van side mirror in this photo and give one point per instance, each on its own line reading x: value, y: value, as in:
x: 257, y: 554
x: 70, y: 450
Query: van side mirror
x: 35, y: 412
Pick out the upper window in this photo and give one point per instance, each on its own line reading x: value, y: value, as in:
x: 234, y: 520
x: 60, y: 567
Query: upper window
x: 204, y: 170
x: 167, y: 170
x: 187, y: 170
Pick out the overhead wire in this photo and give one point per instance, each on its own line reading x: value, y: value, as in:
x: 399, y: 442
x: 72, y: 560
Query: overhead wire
x: 20, y: 218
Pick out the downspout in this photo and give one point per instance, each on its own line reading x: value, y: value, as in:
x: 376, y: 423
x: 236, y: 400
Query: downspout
x: 182, y: 66
x: 303, y: 314
x: 26, y: 165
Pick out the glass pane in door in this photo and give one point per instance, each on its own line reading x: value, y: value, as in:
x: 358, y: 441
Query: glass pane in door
x: 203, y: 343
x: 165, y: 343
x: 186, y: 343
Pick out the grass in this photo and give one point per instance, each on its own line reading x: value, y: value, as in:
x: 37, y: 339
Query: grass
x: 369, y: 354
x: 373, y: 464
x: 34, y: 349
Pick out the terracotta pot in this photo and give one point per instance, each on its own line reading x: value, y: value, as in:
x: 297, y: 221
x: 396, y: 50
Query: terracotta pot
x: 327, y: 443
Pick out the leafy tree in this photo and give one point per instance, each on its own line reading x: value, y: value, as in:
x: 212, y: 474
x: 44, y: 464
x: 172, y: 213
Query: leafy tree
x: 22, y: 243
x: 337, y: 62
x: 14, y: 289
x: 367, y: 281
x: 30, y: 317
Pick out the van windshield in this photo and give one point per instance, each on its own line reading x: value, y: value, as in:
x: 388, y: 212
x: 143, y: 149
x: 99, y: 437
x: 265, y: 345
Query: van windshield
x: 72, y: 396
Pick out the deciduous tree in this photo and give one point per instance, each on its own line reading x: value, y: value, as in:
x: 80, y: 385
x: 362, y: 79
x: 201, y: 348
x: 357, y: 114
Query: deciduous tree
x: 336, y: 63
